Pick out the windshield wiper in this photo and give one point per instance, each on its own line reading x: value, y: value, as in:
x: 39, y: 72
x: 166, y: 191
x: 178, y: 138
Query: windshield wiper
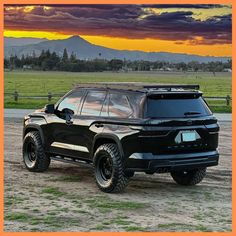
x: 189, y: 113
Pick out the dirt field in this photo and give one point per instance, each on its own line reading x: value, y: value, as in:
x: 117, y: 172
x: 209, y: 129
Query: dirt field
x: 65, y: 198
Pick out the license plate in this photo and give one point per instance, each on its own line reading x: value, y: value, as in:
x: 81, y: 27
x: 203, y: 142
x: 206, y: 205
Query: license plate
x: 188, y: 136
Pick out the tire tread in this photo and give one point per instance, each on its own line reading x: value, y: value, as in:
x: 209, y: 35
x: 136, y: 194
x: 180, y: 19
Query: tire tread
x: 43, y: 161
x: 192, y: 178
x: 120, y: 179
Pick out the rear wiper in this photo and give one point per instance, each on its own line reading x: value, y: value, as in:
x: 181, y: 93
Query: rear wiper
x: 189, y: 113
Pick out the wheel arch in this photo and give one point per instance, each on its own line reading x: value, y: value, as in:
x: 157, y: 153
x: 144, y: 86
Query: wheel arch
x: 101, y: 139
x: 34, y: 127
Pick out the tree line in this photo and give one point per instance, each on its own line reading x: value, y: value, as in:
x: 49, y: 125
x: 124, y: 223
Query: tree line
x: 51, y: 61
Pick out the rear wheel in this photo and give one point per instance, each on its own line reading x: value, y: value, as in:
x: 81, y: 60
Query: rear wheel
x: 108, y: 169
x: 34, y: 156
x: 189, y: 177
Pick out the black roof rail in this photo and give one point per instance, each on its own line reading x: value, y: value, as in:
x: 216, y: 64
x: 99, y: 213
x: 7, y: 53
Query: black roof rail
x: 137, y: 86
x: 172, y: 86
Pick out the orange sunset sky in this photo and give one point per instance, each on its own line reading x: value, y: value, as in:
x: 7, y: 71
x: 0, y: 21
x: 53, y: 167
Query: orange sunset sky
x: 193, y: 29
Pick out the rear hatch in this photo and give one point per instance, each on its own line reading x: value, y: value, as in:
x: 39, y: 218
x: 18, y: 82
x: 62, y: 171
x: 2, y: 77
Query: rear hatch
x: 178, y: 122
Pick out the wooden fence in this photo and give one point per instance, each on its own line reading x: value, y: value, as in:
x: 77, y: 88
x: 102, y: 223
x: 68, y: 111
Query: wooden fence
x: 15, y: 96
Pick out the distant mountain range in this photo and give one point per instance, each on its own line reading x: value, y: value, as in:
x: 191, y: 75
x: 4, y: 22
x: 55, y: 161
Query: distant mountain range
x: 10, y: 41
x: 85, y: 50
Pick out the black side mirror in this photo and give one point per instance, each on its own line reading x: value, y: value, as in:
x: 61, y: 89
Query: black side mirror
x: 68, y: 113
x: 49, y: 108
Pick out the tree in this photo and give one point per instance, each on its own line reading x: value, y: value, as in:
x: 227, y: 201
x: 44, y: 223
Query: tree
x: 48, y: 54
x: 195, y: 65
x: 181, y: 66
x: 6, y: 63
x: 34, y: 54
x: 65, y: 56
x: 55, y: 60
x: 73, y: 57
x: 115, y: 64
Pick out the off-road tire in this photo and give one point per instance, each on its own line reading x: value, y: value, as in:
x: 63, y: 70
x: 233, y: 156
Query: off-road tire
x: 118, y: 180
x: 190, y: 177
x: 41, y: 161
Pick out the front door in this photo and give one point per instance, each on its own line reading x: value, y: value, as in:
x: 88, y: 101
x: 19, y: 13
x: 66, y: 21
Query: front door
x: 75, y: 139
x: 66, y: 137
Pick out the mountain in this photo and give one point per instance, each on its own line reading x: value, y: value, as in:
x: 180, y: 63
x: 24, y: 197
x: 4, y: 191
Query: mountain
x: 85, y: 50
x: 11, y: 41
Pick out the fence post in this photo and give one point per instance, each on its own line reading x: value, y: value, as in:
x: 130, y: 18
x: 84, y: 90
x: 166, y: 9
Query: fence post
x: 49, y: 96
x: 16, y: 95
x: 228, y: 100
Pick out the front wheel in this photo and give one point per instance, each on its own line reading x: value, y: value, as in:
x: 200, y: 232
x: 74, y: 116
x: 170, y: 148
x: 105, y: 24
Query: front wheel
x: 34, y: 156
x: 189, y: 177
x: 108, y: 169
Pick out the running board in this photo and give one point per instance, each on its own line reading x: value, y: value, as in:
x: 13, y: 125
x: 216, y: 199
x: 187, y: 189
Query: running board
x: 70, y: 160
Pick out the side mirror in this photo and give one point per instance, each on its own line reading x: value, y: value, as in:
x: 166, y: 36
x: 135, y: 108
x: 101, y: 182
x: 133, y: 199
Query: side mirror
x: 49, y: 108
x: 68, y: 113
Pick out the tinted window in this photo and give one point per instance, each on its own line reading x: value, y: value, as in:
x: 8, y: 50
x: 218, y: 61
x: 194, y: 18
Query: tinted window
x: 170, y: 108
x: 72, y: 101
x: 93, y: 103
x: 119, y: 106
x: 104, y: 111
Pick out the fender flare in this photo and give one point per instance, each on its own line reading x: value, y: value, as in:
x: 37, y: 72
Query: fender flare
x: 34, y: 127
x: 110, y: 136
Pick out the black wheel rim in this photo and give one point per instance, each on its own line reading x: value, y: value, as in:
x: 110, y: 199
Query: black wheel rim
x: 31, y: 151
x: 105, y: 167
x: 30, y: 154
x: 104, y: 170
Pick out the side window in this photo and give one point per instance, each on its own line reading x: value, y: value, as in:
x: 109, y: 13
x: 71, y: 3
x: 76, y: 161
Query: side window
x: 119, y: 106
x: 72, y: 101
x: 104, y: 111
x: 93, y: 103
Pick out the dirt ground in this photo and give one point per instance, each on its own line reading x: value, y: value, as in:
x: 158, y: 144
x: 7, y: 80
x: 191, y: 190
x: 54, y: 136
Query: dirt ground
x: 66, y: 198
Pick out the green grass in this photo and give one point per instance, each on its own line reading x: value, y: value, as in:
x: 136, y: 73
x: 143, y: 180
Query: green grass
x: 172, y: 226
x: 202, y: 228
x: 120, y: 221
x: 48, y: 220
x: 134, y: 228
x: 183, y: 227
x: 11, y: 200
x: 40, y: 83
x: 99, y: 227
x: 17, y: 216
x: 102, y: 203
x: 68, y: 178
x: 53, y: 191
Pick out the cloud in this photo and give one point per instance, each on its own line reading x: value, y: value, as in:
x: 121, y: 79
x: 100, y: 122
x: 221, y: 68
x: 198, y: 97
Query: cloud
x: 126, y: 21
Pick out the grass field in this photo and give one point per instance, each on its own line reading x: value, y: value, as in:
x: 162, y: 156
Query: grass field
x: 40, y: 83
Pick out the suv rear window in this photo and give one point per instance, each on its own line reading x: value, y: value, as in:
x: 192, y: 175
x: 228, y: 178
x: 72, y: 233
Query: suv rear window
x: 172, y: 107
x: 119, y: 106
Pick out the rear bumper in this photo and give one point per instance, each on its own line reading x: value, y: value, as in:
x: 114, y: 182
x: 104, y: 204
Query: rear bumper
x: 147, y: 162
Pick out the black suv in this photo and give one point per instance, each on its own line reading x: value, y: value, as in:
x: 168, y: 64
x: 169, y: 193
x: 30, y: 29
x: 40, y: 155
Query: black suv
x: 125, y: 128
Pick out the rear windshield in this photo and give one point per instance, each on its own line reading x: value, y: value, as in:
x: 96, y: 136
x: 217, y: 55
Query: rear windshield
x: 170, y: 108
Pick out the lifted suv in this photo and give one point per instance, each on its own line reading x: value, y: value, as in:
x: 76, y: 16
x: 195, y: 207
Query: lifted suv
x: 125, y: 128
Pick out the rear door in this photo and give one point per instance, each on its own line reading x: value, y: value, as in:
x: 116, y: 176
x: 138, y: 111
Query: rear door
x: 89, y: 114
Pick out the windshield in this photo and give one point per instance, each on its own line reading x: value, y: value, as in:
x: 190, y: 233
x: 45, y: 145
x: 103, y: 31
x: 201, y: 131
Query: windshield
x: 172, y: 107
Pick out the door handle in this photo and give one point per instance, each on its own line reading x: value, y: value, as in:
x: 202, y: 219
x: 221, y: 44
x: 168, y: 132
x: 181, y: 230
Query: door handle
x: 69, y: 122
x: 99, y: 125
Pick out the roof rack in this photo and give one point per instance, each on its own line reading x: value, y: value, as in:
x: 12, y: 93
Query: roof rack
x: 137, y: 86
